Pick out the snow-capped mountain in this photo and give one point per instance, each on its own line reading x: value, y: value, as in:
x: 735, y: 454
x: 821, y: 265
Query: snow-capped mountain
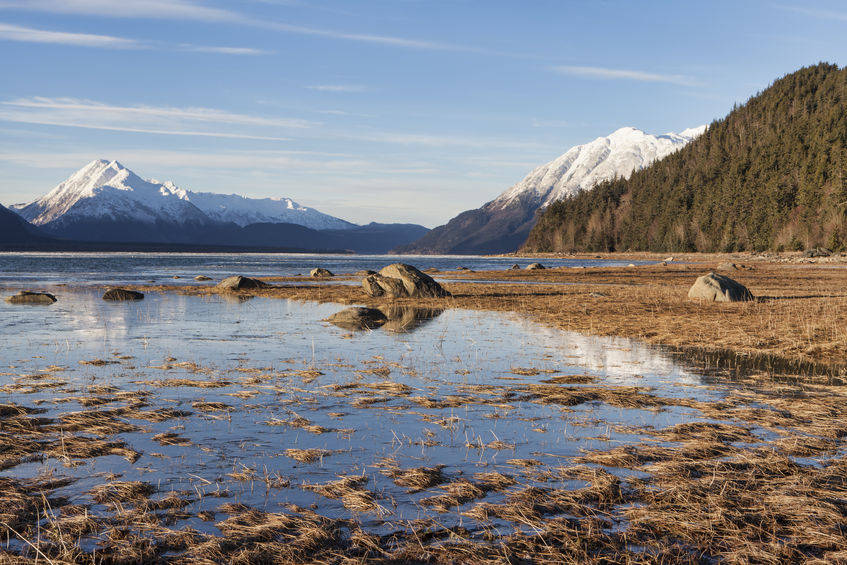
x: 105, y: 195
x: 502, y: 224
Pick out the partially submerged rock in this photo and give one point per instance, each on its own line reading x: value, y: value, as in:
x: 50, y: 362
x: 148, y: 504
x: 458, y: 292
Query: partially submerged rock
x: 30, y: 297
x: 320, y: 273
x: 122, y: 294
x: 358, y: 318
x: 400, y: 280
x: 515, y: 267
x: 238, y: 282
x: 202, y: 278
x: 719, y: 288
x: 535, y: 267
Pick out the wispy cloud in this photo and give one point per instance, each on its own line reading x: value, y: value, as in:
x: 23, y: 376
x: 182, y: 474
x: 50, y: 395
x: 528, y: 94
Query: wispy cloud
x: 9, y: 32
x: 816, y: 13
x: 155, y: 9
x: 623, y: 74
x: 88, y: 114
x: 338, y: 88
x: 31, y: 35
x: 190, y: 10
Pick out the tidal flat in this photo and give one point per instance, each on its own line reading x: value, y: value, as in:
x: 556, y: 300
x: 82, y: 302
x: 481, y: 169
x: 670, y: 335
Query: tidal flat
x: 510, y: 422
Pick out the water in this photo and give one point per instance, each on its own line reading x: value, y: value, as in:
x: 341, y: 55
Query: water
x: 380, y: 395
x: 112, y: 268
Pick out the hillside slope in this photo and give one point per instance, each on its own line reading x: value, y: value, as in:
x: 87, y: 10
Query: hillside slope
x: 503, y: 224
x: 771, y: 175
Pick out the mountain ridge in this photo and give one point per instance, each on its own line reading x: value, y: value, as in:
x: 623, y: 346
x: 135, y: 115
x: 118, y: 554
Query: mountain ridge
x: 769, y: 175
x: 502, y: 224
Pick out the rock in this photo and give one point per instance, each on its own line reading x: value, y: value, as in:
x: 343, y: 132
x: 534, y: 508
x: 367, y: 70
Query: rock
x: 365, y: 273
x: 358, y: 318
x: 515, y: 267
x: 719, y: 288
x: 631, y: 265
x: 29, y: 297
x: 817, y: 252
x: 122, y: 294
x: 377, y: 285
x: 416, y: 283
x: 320, y: 273
x: 463, y: 269
x: 664, y: 263
x: 176, y: 276
x: 202, y: 278
x: 727, y: 266
x: 535, y: 267
x: 668, y: 259
x: 238, y: 282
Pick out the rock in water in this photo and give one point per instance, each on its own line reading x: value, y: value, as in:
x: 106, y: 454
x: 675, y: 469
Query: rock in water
x: 29, y: 297
x: 122, y: 294
x: 415, y: 283
x: 719, y: 288
x: 202, y: 278
x: 320, y: 273
x: 515, y: 267
x: 238, y: 282
x: 535, y: 267
x: 377, y: 285
x: 358, y: 318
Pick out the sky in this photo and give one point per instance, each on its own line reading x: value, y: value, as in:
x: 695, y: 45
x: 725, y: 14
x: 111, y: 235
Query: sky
x: 382, y: 110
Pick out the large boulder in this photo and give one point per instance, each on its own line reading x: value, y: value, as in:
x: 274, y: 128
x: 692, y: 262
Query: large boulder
x: 377, y: 285
x: 320, y: 273
x: 417, y: 284
x: 29, y: 297
x: 238, y: 282
x: 719, y: 288
x: 122, y: 294
x: 358, y: 318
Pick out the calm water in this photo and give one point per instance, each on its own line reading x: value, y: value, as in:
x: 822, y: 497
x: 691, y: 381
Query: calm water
x: 106, y: 268
x: 261, y: 348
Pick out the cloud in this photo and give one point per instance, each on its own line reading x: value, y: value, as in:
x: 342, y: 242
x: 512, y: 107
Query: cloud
x: 189, y: 10
x: 9, y: 32
x: 338, y: 88
x: 623, y: 74
x: 161, y: 120
x: 30, y: 35
x: 154, y: 9
x: 223, y: 50
x: 817, y: 13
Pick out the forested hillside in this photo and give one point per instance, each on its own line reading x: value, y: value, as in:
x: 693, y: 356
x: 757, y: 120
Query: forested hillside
x: 771, y: 175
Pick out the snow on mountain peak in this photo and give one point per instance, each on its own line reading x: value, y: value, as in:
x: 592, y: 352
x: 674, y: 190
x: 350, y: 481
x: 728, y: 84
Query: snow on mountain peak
x: 619, y: 154
x: 108, y: 190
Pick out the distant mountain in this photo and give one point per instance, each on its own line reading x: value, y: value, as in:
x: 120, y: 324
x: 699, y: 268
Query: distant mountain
x: 771, y: 175
x: 105, y: 201
x: 503, y: 224
x: 15, y: 230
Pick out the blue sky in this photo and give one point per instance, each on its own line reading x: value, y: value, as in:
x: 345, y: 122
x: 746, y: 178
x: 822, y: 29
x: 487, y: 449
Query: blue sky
x: 387, y: 110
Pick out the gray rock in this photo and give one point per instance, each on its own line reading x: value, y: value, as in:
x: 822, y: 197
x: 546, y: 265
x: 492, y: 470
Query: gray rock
x: 358, y: 318
x: 515, y: 267
x: 401, y: 280
x: 238, y: 282
x: 535, y: 267
x: 719, y: 288
x: 377, y: 285
x: 30, y: 297
x: 202, y: 278
x: 817, y: 252
x: 320, y: 273
x: 416, y: 283
x: 122, y: 294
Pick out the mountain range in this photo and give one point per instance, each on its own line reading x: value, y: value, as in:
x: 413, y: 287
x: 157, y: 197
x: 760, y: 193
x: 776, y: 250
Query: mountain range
x: 503, y: 224
x: 104, y: 202
x: 772, y: 174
